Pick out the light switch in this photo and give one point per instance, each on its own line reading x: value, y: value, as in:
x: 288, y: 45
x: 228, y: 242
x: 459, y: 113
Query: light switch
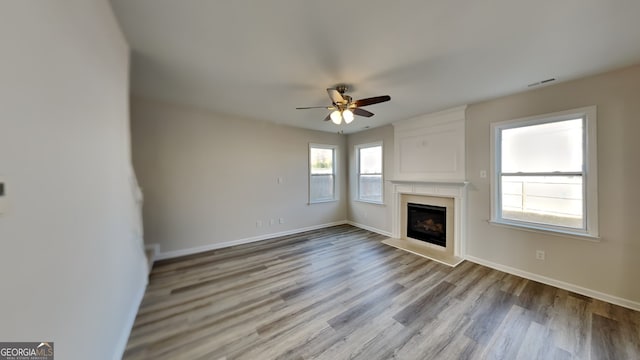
x: 483, y: 174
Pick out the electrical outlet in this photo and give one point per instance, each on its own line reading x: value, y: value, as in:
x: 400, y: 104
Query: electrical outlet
x: 540, y: 254
x: 258, y: 223
x: 281, y: 220
x: 483, y: 174
x: 272, y: 221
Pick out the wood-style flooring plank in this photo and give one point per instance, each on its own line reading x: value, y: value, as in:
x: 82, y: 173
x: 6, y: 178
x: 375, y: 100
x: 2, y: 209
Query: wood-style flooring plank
x: 339, y: 293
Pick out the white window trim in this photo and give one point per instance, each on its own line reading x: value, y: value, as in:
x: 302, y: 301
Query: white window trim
x: 357, y: 153
x: 590, y: 171
x: 335, y: 172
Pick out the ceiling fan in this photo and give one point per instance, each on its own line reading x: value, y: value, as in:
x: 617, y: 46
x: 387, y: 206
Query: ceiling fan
x: 344, y: 107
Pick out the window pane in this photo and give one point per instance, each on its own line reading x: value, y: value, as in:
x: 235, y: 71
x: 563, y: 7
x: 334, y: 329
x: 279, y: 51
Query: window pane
x: 549, y: 147
x: 370, y: 188
x: 321, y: 161
x: 321, y: 187
x: 552, y: 200
x: 371, y: 160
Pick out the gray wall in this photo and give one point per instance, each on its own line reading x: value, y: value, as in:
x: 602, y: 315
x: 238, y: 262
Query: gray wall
x: 610, y: 266
x: 196, y: 167
x: 207, y: 178
x: 72, y: 266
x: 372, y: 216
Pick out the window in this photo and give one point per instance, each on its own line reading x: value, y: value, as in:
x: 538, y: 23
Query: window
x: 369, y: 163
x: 545, y: 174
x: 322, y: 173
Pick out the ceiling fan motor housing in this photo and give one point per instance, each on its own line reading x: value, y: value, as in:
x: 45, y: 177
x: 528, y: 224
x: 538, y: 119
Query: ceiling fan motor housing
x: 342, y: 89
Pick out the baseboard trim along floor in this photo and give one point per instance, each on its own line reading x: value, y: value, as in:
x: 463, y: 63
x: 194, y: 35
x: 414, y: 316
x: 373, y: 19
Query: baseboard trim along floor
x: 220, y: 245
x: 629, y: 304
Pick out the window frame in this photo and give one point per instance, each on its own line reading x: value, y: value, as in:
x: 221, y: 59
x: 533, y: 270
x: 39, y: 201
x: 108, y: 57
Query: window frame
x: 589, y: 173
x: 334, y: 149
x: 358, y: 174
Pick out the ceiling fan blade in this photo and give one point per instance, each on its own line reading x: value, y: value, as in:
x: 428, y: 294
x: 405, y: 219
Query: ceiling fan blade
x: 313, y: 107
x: 372, y: 100
x: 362, y: 112
x: 327, y: 118
x: 335, y: 96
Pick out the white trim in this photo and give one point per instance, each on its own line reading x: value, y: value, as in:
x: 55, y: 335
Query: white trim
x: 413, y: 158
x: 334, y: 149
x: 443, y: 181
x: 323, y: 201
x: 369, y: 228
x: 589, y: 171
x: 436, y: 118
x: 155, y: 250
x: 370, y: 202
x: 456, y: 191
x: 220, y: 245
x: 544, y: 230
x: 630, y: 304
x: 357, y: 149
x: 121, y: 345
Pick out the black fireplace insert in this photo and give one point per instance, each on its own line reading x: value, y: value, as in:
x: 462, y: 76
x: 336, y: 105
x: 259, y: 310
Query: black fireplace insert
x: 427, y: 223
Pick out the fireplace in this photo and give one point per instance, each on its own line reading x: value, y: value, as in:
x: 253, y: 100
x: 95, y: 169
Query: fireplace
x: 430, y: 172
x: 427, y: 223
x: 439, y: 234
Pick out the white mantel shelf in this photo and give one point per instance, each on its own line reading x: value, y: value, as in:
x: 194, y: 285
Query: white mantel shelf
x: 454, y: 188
x: 435, y: 182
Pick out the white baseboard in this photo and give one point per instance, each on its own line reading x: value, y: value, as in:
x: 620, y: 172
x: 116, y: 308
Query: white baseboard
x: 634, y: 305
x: 369, y: 228
x: 121, y: 346
x: 154, y: 249
x: 220, y: 245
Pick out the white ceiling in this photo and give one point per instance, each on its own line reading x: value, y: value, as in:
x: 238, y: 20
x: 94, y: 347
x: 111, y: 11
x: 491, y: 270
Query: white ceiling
x: 262, y: 59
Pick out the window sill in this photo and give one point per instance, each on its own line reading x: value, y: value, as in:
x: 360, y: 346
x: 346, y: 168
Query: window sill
x: 322, y: 201
x: 547, y: 231
x: 370, y: 202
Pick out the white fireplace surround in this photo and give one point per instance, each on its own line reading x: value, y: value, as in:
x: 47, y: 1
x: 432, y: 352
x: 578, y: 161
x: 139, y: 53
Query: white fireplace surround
x: 430, y: 161
x: 454, y: 190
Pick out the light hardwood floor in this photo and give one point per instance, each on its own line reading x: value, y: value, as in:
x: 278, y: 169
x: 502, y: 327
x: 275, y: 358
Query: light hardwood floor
x: 338, y: 293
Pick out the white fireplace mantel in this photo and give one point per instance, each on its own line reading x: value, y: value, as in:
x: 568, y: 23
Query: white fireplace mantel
x: 456, y: 190
x: 429, y: 160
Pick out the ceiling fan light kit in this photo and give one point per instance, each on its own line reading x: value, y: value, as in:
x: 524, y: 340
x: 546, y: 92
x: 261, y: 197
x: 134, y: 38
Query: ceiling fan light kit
x: 343, y: 106
x: 336, y: 117
x: 347, y: 115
